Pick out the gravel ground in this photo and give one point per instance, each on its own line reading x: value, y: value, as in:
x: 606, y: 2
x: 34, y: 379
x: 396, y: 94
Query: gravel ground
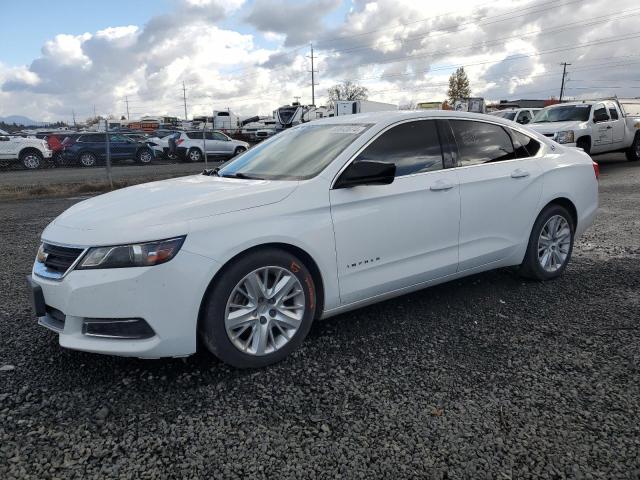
x: 487, y: 377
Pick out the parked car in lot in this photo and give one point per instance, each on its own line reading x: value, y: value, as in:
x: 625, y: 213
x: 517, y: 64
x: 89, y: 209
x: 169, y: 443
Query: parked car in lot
x: 518, y: 115
x: 158, y: 141
x: 191, y: 145
x: 31, y: 152
x: 88, y: 149
x: 318, y: 220
x: 595, y: 126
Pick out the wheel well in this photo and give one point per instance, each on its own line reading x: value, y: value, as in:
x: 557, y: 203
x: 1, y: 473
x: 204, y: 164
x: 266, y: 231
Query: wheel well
x: 568, y: 205
x: 584, y: 138
x: 298, y: 252
x: 26, y: 150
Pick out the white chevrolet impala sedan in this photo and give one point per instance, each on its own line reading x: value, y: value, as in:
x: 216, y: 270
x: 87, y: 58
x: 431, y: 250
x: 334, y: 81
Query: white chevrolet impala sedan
x: 322, y: 218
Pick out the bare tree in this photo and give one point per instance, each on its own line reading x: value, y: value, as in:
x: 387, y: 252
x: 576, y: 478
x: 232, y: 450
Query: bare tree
x: 347, y: 90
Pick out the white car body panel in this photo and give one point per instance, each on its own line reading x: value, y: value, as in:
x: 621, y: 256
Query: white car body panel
x: 400, y: 237
x: 11, y: 148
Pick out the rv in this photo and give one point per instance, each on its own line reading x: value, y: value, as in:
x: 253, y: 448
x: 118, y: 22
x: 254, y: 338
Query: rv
x: 294, y: 114
x: 350, y: 107
x: 223, y: 120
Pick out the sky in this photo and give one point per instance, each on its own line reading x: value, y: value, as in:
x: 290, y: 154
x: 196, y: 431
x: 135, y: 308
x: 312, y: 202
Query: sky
x: 252, y: 56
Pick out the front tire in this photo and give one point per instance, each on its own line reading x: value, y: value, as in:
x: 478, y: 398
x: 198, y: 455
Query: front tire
x: 550, y: 244
x: 584, y: 144
x: 31, y: 159
x: 633, y: 152
x: 238, y: 151
x: 259, y: 310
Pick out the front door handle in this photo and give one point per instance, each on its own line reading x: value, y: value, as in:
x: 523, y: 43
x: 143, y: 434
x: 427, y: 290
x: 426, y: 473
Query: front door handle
x: 440, y: 186
x: 609, y: 127
x: 519, y: 173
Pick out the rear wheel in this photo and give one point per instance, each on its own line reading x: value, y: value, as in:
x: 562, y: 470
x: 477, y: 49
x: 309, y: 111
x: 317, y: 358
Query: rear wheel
x: 144, y: 156
x: 260, y: 310
x: 633, y: 152
x: 550, y: 244
x: 31, y: 159
x: 88, y: 159
x: 194, y: 155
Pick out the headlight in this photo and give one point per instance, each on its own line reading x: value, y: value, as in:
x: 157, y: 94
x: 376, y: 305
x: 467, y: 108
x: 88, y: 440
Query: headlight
x: 135, y: 255
x: 565, y: 136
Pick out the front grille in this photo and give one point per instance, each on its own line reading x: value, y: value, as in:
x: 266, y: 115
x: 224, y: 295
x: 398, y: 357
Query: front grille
x: 59, y: 259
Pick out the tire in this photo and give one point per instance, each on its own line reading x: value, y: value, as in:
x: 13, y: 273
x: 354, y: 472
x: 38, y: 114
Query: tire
x: 31, y: 159
x: 238, y: 151
x: 633, y: 152
x: 194, y: 155
x: 264, y: 318
x: 559, y: 247
x: 584, y: 144
x: 87, y: 159
x: 144, y: 156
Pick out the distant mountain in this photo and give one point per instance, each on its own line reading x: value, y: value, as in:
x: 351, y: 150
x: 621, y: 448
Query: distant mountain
x: 19, y: 120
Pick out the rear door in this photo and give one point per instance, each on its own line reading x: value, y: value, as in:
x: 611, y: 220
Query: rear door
x: 500, y: 187
x: 389, y: 237
x: 121, y: 147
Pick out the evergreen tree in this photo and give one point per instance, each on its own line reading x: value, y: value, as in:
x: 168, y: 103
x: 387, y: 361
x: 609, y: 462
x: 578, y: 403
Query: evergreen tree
x: 458, y: 86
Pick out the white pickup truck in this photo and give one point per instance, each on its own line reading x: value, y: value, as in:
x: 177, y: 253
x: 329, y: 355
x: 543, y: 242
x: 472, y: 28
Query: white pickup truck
x: 597, y: 127
x: 29, y: 151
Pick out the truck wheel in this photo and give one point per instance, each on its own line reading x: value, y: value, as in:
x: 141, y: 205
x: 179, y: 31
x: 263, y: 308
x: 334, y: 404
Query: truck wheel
x: 584, y: 144
x: 31, y: 159
x: 633, y: 152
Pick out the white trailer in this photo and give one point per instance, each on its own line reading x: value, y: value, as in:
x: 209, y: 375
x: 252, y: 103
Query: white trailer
x: 350, y: 107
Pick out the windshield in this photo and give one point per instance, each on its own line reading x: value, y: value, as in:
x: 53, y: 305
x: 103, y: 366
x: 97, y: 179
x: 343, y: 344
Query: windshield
x: 296, y: 154
x: 568, y: 113
x: 507, y: 115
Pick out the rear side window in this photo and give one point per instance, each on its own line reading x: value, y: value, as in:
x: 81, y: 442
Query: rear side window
x: 94, y: 138
x: 524, y: 145
x: 480, y: 142
x: 414, y: 147
x: 194, y: 135
x: 613, y: 113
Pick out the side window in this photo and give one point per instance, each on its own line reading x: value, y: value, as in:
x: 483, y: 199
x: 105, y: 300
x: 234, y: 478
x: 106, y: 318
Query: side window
x: 524, y: 117
x: 194, y: 135
x: 219, y: 136
x: 414, y: 147
x: 93, y: 138
x: 480, y: 142
x: 524, y: 145
x: 600, y: 113
x: 613, y: 112
x: 210, y: 136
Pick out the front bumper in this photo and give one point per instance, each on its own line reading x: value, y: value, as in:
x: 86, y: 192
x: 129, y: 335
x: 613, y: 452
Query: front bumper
x: 166, y: 297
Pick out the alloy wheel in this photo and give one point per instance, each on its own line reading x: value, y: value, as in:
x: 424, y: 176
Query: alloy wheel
x: 264, y: 310
x: 87, y: 160
x: 145, y: 157
x: 194, y: 155
x: 554, y: 243
x: 31, y: 161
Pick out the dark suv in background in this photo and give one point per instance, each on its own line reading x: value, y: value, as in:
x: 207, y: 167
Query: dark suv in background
x: 89, y: 149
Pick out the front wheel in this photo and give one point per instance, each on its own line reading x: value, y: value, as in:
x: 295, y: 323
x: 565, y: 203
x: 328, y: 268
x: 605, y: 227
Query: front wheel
x: 260, y: 310
x: 584, y: 144
x: 238, y: 151
x: 550, y: 244
x: 633, y: 152
x: 31, y: 160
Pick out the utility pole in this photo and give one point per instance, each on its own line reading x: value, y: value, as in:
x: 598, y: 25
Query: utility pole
x: 73, y: 114
x: 184, y: 98
x: 564, y: 74
x: 126, y: 101
x: 108, y: 152
x: 313, y: 78
x: 94, y: 111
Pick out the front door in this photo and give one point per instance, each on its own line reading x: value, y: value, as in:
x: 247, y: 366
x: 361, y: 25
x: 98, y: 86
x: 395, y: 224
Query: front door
x: 498, y: 192
x: 618, y: 125
x: 393, y: 236
x: 602, y: 128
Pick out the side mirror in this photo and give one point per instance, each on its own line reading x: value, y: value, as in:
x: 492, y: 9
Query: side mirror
x: 367, y: 172
x: 4, y: 138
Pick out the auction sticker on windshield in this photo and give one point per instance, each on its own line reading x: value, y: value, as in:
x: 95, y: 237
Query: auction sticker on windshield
x: 348, y: 129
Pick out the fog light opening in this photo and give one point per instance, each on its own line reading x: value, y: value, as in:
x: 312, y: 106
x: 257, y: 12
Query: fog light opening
x: 120, y: 328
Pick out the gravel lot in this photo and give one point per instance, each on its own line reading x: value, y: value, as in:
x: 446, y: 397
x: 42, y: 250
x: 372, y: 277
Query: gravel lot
x: 488, y: 377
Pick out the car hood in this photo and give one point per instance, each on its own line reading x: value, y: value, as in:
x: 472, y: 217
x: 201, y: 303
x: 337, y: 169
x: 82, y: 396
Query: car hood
x: 553, y: 127
x: 163, y: 208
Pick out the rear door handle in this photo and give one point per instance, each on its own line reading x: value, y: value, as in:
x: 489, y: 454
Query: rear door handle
x: 609, y: 127
x: 518, y: 173
x: 440, y: 186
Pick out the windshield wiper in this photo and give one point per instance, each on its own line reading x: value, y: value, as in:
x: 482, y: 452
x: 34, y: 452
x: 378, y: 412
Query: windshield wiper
x: 242, y: 176
x: 211, y: 172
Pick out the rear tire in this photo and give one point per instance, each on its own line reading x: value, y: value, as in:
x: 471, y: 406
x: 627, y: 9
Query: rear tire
x: 31, y: 159
x: 88, y: 159
x: 144, y: 156
x: 550, y: 244
x: 633, y: 152
x: 281, y: 313
x: 194, y: 155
